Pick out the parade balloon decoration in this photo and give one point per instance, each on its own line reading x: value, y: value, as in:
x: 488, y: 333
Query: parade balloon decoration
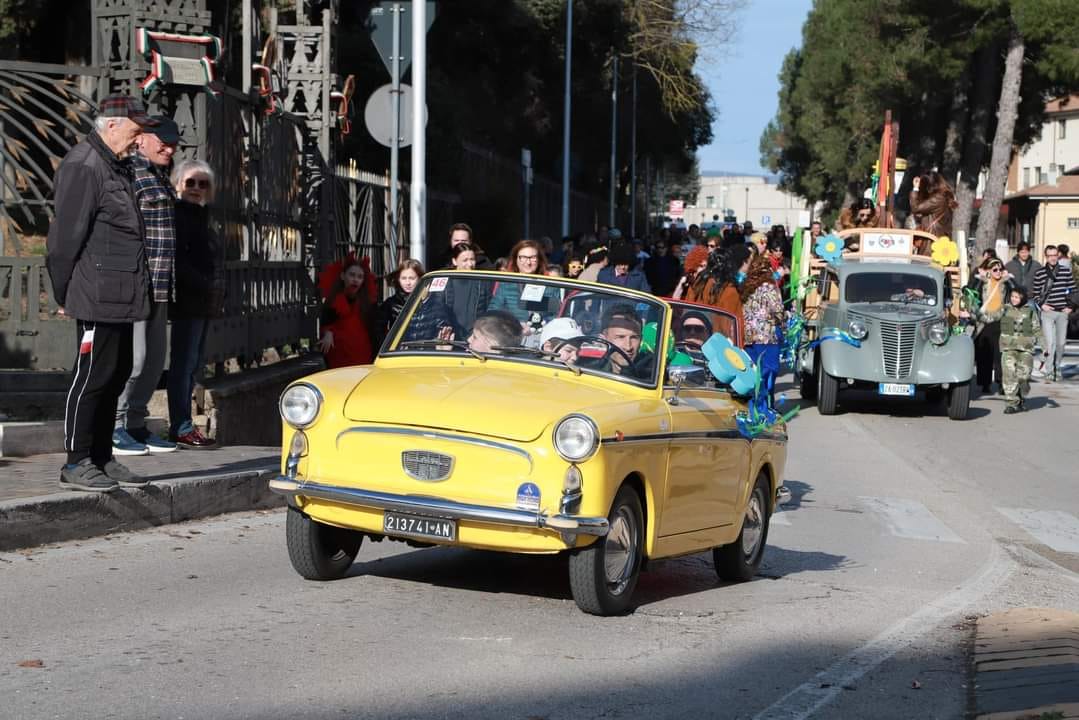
x: 831, y: 333
x: 730, y: 365
x: 790, y: 339
x: 945, y: 251
x: 829, y: 248
x: 648, y: 344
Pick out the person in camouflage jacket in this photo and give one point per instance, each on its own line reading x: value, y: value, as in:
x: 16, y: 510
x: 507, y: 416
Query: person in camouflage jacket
x: 1019, y: 328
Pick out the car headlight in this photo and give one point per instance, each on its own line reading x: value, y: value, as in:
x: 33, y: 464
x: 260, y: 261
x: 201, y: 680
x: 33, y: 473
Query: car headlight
x: 938, y: 333
x: 300, y: 404
x: 857, y: 329
x: 576, y: 438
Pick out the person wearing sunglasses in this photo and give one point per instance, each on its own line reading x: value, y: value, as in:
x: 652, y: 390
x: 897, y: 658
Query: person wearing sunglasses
x: 993, y: 285
x: 198, y: 296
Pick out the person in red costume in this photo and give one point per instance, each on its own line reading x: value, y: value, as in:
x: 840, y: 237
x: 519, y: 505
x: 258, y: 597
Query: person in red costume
x: 347, y: 318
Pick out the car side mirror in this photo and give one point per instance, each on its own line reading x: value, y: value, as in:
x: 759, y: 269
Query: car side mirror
x: 679, y: 374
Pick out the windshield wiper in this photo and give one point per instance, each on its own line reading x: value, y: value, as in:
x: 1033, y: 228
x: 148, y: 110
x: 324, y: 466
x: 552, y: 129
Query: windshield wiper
x: 537, y: 352
x: 459, y: 344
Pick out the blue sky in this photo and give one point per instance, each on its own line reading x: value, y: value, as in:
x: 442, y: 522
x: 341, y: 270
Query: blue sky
x: 744, y: 83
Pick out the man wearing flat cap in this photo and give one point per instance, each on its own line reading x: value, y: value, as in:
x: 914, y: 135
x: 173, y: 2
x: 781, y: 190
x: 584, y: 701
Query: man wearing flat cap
x: 97, y: 264
x: 156, y: 199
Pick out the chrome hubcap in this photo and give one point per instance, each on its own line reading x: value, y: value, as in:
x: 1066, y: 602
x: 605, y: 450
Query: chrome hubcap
x: 753, y: 525
x: 620, y: 550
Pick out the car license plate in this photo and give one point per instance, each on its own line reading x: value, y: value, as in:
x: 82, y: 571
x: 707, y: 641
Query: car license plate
x: 896, y: 389
x: 417, y: 526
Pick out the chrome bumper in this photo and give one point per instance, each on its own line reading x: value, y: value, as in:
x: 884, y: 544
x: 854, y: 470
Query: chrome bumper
x: 441, y: 508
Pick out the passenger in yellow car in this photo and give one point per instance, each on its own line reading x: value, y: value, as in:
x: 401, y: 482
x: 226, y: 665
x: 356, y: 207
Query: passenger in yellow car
x: 493, y: 330
x: 556, y: 336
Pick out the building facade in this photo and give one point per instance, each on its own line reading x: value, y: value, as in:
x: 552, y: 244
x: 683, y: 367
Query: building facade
x: 747, y: 197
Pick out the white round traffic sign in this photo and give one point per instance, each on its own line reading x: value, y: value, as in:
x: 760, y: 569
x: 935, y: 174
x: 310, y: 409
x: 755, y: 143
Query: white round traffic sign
x: 378, y: 115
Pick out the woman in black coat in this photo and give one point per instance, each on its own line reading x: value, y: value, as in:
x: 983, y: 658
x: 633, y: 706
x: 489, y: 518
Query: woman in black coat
x: 198, y: 297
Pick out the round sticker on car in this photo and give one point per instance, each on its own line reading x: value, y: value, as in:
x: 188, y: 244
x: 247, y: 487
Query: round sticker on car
x: 528, y: 496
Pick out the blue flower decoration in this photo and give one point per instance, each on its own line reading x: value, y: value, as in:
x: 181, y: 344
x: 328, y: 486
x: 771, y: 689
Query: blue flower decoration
x: 730, y: 365
x: 829, y: 248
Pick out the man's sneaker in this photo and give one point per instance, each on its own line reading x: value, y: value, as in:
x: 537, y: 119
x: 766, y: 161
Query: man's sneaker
x: 152, y: 442
x: 124, y: 444
x: 122, y: 475
x: 84, y: 475
x: 195, y: 440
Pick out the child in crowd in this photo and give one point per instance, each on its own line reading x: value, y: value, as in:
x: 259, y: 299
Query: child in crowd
x: 405, y: 279
x: 1019, y: 328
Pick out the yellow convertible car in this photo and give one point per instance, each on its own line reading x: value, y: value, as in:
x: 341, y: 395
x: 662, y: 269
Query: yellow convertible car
x: 527, y: 414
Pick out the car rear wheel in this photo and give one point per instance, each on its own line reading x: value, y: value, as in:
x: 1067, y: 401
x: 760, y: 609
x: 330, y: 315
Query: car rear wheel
x: 827, y: 393
x: 959, y: 400
x: 318, y: 551
x: 738, y: 562
x: 603, y: 575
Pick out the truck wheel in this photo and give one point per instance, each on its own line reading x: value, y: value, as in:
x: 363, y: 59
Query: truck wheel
x: 827, y: 393
x: 738, y: 562
x: 603, y: 575
x: 959, y: 400
x: 317, y: 551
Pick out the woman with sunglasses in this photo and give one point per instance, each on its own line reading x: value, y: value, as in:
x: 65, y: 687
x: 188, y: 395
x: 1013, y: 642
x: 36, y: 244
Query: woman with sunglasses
x: 993, y: 284
x: 198, y: 296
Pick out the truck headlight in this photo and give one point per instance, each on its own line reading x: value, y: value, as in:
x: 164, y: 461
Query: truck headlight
x: 576, y: 438
x: 857, y: 329
x: 299, y: 405
x: 938, y: 333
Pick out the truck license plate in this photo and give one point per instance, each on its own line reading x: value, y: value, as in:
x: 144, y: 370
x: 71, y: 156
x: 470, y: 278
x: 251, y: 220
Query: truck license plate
x: 896, y: 389
x: 419, y: 527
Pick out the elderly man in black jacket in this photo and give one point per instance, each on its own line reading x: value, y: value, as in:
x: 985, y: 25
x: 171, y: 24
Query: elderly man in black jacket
x: 97, y: 264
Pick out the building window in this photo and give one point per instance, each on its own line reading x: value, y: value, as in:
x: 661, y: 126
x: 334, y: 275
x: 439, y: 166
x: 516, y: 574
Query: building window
x: 1026, y: 178
x: 1062, y: 128
x: 710, y: 201
x: 1073, y: 223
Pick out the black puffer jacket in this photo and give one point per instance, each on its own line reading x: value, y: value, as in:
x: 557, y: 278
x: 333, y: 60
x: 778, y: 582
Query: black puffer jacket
x: 96, y: 257
x: 198, y: 289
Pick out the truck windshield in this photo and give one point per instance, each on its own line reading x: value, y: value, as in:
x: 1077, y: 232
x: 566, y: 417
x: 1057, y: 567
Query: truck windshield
x: 871, y: 287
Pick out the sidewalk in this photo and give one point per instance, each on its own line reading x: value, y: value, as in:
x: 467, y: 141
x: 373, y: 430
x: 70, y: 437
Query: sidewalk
x: 1026, y: 663
x: 185, y: 484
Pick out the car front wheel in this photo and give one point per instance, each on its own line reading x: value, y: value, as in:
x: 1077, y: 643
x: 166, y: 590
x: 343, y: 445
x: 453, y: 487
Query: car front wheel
x: 603, y: 575
x: 318, y: 551
x: 738, y: 562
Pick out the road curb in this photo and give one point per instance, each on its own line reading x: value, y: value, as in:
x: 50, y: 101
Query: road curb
x: 1026, y: 663
x: 27, y: 522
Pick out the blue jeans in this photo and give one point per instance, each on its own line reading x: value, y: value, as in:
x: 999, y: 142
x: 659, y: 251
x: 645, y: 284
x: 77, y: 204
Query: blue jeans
x: 187, y: 338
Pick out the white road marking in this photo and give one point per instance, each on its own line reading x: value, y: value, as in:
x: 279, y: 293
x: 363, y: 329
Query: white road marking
x: 1054, y: 528
x: 910, y: 519
x: 805, y: 700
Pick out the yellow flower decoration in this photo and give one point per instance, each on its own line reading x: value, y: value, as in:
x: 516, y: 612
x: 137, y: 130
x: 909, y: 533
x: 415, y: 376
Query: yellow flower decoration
x: 945, y: 251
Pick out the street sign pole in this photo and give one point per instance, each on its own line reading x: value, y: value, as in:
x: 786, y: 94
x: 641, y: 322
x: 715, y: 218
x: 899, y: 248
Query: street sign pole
x: 633, y: 162
x: 418, y: 193
x: 395, y: 140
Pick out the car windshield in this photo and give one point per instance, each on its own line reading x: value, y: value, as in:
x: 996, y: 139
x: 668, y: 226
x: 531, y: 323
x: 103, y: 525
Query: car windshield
x: 872, y: 287
x: 533, y: 319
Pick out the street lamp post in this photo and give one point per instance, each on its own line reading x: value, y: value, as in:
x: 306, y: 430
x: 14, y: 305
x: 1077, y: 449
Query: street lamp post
x: 614, y: 139
x: 565, y: 120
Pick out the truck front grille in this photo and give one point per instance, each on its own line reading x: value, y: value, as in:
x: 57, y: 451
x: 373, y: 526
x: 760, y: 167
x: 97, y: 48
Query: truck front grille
x: 897, y: 341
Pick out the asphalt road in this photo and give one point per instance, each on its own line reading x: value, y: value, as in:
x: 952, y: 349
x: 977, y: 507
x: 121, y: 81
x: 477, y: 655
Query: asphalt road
x: 903, y: 528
